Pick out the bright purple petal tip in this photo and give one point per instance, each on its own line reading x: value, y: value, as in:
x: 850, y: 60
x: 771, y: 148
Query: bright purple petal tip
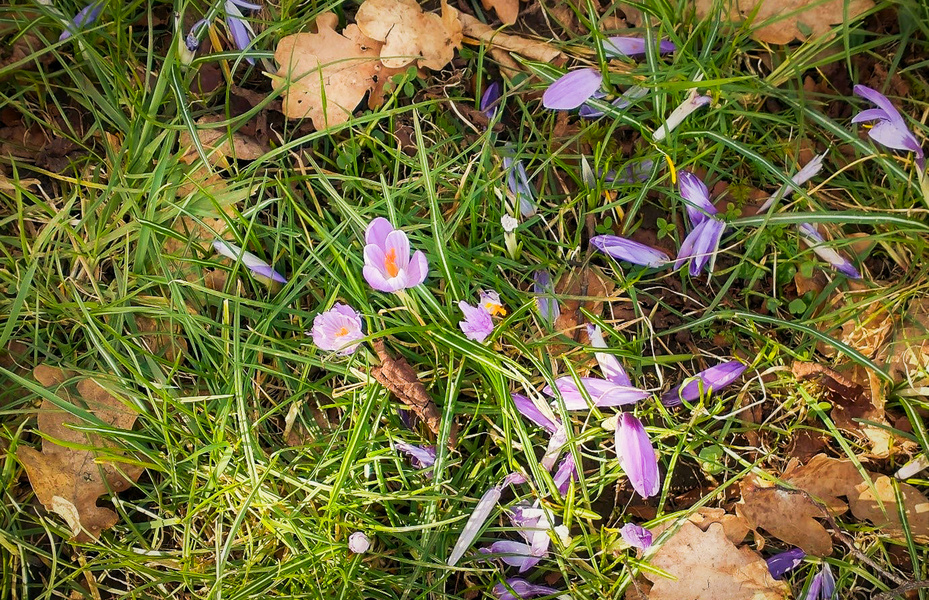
x: 636, y: 455
x: 710, y: 380
x: 781, y: 563
x: 572, y: 89
x: 630, y: 251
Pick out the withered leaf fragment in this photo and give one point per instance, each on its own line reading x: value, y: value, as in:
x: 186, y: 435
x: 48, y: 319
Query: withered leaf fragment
x: 410, y: 34
x: 507, y: 10
x: 68, y: 481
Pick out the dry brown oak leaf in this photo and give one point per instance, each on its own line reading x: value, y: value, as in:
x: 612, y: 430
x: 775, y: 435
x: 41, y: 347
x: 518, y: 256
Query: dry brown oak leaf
x: 410, y: 34
x: 782, y: 21
x: 507, y: 10
x: 326, y: 75
x: 219, y: 145
x: 708, y: 566
x: 66, y: 480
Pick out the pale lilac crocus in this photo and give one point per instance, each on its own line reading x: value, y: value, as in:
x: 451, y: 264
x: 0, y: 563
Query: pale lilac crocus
x: 254, y: 264
x: 572, y: 89
x: 636, y: 536
x: 693, y: 102
x: 823, y: 585
x: 490, y: 302
x: 636, y: 455
x: 784, y: 562
x: 707, y: 381
x: 86, y: 16
x: 609, y: 365
x: 477, y: 324
x: 533, y: 523
x: 517, y: 183
x: 528, y: 409
x: 338, y: 329
x: 603, y: 393
x: 888, y: 127
x: 516, y: 588
x: 808, y: 171
x: 633, y: 46
x: 702, y: 243
x: 421, y: 457
x: 812, y: 238
x: 358, y: 542
x: 475, y: 522
x: 545, y: 302
x: 388, y: 264
x: 239, y: 29
x: 490, y: 100
x: 628, y: 250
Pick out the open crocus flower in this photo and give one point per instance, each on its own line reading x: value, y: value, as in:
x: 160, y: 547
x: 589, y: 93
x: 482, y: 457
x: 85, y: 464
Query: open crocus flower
x: 781, y: 563
x: 254, y: 264
x: 338, y: 329
x: 358, y: 542
x: 86, y: 16
x: 814, y: 240
x: 517, y: 182
x: 708, y: 381
x: 490, y: 100
x: 636, y: 536
x: 490, y: 301
x: 388, y: 264
x: 477, y: 324
x: 518, y: 589
x: 546, y: 303
x: 625, y: 249
x: 636, y: 455
x: 633, y: 46
x: 693, y: 102
x: 603, y: 393
x: 888, y: 127
x: 572, y: 89
x: 808, y: 171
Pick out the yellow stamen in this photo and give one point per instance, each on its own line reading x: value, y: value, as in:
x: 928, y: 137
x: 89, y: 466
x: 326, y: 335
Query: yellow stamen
x: 494, y: 309
x: 390, y: 262
x: 672, y: 167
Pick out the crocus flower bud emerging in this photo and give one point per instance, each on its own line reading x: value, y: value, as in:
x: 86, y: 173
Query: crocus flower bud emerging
x: 625, y: 249
x: 636, y: 536
x: 252, y: 262
x: 517, y: 182
x: 477, y: 324
x: 86, y: 16
x: 708, y: 381
x: 823, y: 585
x: 358, y: 542
x: 338, y: 329
x: 781, y: 563
x: 572, y: 89
x: 518, y: 589
x: 812, y: 238
x: 388, y: 264
x: 632, y: 46
x: 567, y: 472
x: 692, y: 103
x: 889, y: 128
x: 490, y: 101
x: 636, y: 455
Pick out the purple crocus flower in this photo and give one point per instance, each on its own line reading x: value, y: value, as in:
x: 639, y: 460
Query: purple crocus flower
x: 693, y: 102
x: 421, y: 457
x: 700, y: 245
x: 490, y: 302
x: 572, y: 89
x: 814, y: 240
x: 86, y: 16
x: 781, y: 563
x: 388, y: 264
x: 519, y: 589
x: 609, y: 364
x: 696, y: 198
x: 547, y: 305
x: 528, y: 409
x: 566, y: 473
x: 808, y: 171
x: 533, y: 523
x: 241, y: 32
x: 823, y: 585
x: 192, y: 41
x: 708, y: 381
x: 636, y: 455
x: 338, y: 329
x: 625, y: 249
x: 477, y: 324
x: 517, y: 181
x: 603, y: 393
x: 515, y: 554
x: 254, y: 264
x: 889, y: 129
x: 490, y: 100
x: 636, y: 536
x: 632, y: 46
x: 358, y: 542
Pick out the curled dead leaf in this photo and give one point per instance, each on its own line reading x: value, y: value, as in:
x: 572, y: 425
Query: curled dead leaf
x: 67, y: 480
x: 531, y: 49
x: 507, y: 10
x: 734, y: 526
x: 409, y: 34
x: 783, y: 21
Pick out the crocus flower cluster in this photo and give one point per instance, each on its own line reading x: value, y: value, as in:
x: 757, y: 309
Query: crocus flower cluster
x: 478, y: 322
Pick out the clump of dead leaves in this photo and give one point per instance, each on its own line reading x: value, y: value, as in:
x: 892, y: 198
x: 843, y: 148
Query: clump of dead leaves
x: 69, y: 476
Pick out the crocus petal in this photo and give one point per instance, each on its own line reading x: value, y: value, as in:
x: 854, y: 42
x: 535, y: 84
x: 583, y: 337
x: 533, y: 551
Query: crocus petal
x: 632, y: 46
x: 609, y: 364
x: 515, y: 554
x: 474, y: 524
x: 477, y: 324
x: 528, y: 409
x: 779, y: 564
x: 246, y: 5
x: 338, y: 329
x: 808, y: 171
x: 358, y: 542
x: 634, y: 172
x: 252, y: 262
x: 710, y: 380
x: 812, y: 238
x: 700, y: 245
x: 636, y: 455
x: 417, y: 270
x: 553, y: 451
x: 192, y: 41
x: 625, y: 249
x: 547, y: 305
x: 636, y: 535
x: 572, y: 89
x: 827, y: 592
x: 86, y: 16
x: 883, y: 102
x: 888, y: 134
x: 602, y: 392
x: 517, y: 181
x: 490, y: 100
x: 869, y: 114
x: 377, y: 232
x: 517, y: 589
x: 567, y: 471
x: 891, y: 129
x: 422, y: 456
x: 696, y: 198
x: 239, y: 29
x: 677, y: 116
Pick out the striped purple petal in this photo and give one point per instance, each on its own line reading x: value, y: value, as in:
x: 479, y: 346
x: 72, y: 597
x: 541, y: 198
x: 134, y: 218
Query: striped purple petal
x: 528, y: 409
x: 710, y: 380
x: 696, y: 198
x: 612, y: 370
x: 636, y: 455
x: 625, y: 249
x: 572, y: 89
x: 546, y: 303
x: 636, y: 536
x: 632, y: 46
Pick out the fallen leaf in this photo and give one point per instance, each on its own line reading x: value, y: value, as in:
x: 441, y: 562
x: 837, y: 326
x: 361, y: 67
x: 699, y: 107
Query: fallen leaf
x: 67, y: 480
x: 734, y: 526
x: 587, y: 288
x: 531, y: 49
x: 707, y: 566
x: 161, y: 337
x: 325, y: 75
x: 785, y: 20
x: 219, y: 144
x: 507, y: 10
x: 908, y: 351
x: 410, y: 34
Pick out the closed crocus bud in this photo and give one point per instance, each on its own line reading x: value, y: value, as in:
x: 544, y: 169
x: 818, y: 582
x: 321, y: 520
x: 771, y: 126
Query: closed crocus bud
x: 633, y: 46
x: 358, y: 542
x: 636, y: 455
x: 781, y: 563
x: 636, y: 536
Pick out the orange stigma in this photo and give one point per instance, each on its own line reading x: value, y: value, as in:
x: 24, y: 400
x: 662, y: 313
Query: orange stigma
x: 390, y: 262
x: 494, y: 309
x: 342, y: 332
